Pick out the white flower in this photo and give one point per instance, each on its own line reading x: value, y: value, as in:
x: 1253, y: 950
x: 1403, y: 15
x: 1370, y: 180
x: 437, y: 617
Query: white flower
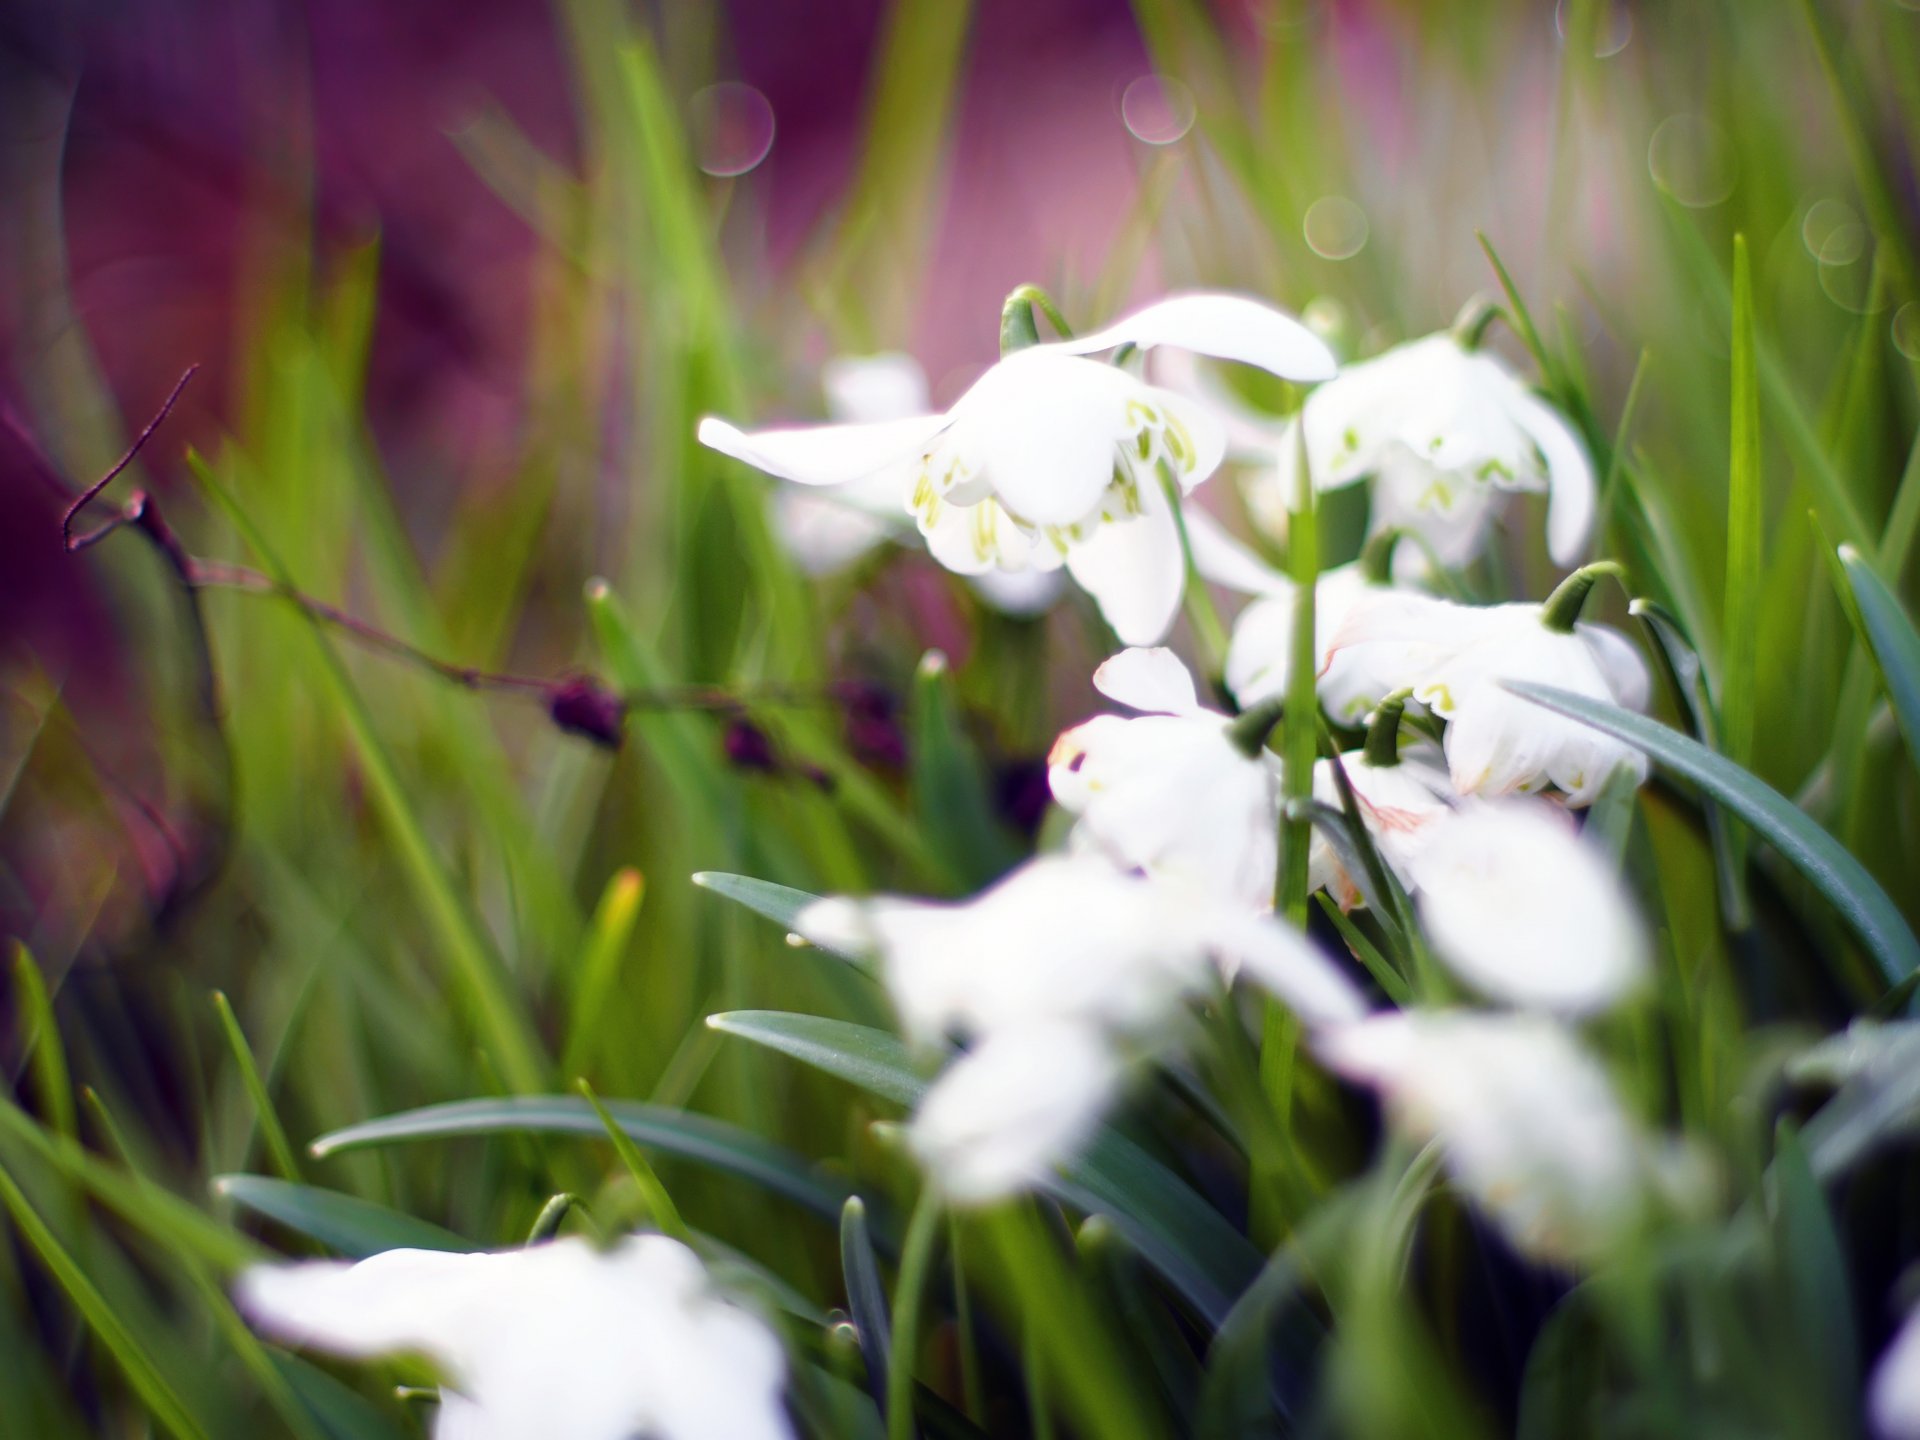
x: 1261, y: 649
x: 827, y: 529
x: 1052, y: 458
x: 1454, y: 658
x: 557, y: 1340
x: 1893, y: 1395
x: 1170, y: 792
x: 1443, y: 430
x: 1065, y: 959
x: 1526, y: 912
x: 1400, y: 805
x: 1528, y: 1123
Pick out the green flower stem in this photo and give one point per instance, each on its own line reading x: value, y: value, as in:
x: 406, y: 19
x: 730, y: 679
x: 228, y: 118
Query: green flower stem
x: 1562, y: 608
x: 1383, y: 735
x: 1202, y: 613
x: 916, y: 1261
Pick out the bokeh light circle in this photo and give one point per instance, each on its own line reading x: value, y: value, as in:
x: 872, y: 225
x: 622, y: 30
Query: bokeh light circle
x: 1335, y: 228
x: 1689, y: 158
x: 1158, y: 109
x: 1906, y: 330
x: 1832, y: 232
x: 732, y: 125
x: 1612, y: 30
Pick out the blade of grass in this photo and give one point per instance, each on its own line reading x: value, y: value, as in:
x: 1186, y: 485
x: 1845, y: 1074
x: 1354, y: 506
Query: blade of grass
x: 1889, y: 634
x: 660, y: 1207
x: 40, y: 1042
x: 271, y: 1131
x: 598, y: 967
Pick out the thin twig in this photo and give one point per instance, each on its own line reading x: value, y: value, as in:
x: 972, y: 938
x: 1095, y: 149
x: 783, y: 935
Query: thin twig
x: 86, y: 496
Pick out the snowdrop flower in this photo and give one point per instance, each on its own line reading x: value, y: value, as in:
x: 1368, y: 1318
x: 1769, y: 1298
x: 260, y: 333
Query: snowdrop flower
x: 1443, y: 430
x: 557, y: 1340
x: 1261, y: 647
x: 1529, y: 1125
x: 1400, y: 803
x: 1057, y: 975
x: 1454, y: 658
x: 1172, y: 791
x: 1526, y: 912
x: 1893, y: 1395
x: 1055, y: 459
x: 826, y: 530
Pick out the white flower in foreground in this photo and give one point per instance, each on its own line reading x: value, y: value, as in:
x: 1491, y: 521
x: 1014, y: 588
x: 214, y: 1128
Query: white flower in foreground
x: 1261, y: 649
x: 1526, y: 912
x: 1170, y: 791
x: 1052, y: 458
x: 1401, y: 806
x: 1454, y: 659
x: 1443, y: 430
x: 1528, y: 1123
x: 1893, y: 1395
x: 1057, y: 975
x: 557, y: 1340
x: 827, y: 529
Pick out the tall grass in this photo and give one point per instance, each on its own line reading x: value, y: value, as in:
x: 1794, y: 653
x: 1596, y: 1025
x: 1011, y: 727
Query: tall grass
x: 432, y: 894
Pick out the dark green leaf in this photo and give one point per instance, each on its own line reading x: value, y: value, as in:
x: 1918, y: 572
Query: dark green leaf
x: 866, y: 1297
x: 1895, y: 645
x: 1812, y: 851
x: 353, y: 1227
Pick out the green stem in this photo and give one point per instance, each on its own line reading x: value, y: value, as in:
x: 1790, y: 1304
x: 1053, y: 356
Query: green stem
x: 1302, y: 702
x: 1202, y: 613
x: 1562, y: 608
x: 916, y: 1260
x: 1383, y: 735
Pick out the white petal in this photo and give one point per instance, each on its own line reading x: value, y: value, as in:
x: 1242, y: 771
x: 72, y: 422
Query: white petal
x: 1620, y: 662
x: 1135, y: 570
x: 1525, y: 913
x: 1529, y: 1123
x: 396, y: 1301
x: 1570, y: 499
x: 824, y: 535
x: 1893, y: 1396
x: 1044, y: 429
x: 1152, y: 680
x: 1227, y: 327
x: 1021, y: 593
x: 1282, y: 962
x: 974, y: 539
x: 1017, y: 1105
x: 1223, y: 560
x: 887, y: 386
x: 824, y: 454
x: 1258, y: 651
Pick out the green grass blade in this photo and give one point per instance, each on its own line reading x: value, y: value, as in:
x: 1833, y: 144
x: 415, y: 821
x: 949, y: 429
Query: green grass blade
x: 271, y: 1131
x: 608, y: 934
x: 40, y: 1042
x: 142, y: 1372
x: 866, y: 1298
x: 355, y: 1228
x: 1890, y: 635
x: 949, y: 784
x: 1178, y: 1233
x: 660, y: 1207
x: 469, y: 949
x: 1741, y: 634
x: 1812, y: 851
x: 712, y: 1143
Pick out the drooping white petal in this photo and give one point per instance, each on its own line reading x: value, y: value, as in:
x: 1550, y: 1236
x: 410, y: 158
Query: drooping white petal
x: 1893, y: 1395
x: 1261, y: 647
x: 1135, y: 570
x: 886, y: 386
x: 1527, y: 914
x: 1529, y: 1124
x: 1570, y: 498
x: 824, y: 454
x: 556, y: 1340
x: 1154, y: 680
x: 1227, y: 327
x: 1620, y: 662
x: 1450, y: 514
x: 1019, y: 1103
x: 1280, y: 960
x: 1021, y: 593
x: 1401, y: 805
x: 823, y: 534
x: 1223, y: 560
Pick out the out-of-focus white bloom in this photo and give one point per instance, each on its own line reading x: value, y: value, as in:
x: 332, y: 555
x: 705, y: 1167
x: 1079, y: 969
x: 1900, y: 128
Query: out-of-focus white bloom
x: 1052, y: 458
x: 827, y: 529
x: 1170, y: 792
x: 557, y: 1340
x: 1893, y: 1395
x: 1443, y: 430
x: 1400, y: 804
x: 1066, y: 943
x: 1529, y: 1125
x: 1261, y: 647
x: 1525, y: 911
x: 1454, y: 658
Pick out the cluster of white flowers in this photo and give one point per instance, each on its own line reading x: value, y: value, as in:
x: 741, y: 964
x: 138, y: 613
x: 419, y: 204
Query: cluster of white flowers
x: 1048, y: 989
